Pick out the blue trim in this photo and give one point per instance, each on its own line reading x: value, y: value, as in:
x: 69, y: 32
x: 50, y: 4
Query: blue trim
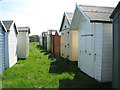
x: 82, y: 13
x: 63, y: 21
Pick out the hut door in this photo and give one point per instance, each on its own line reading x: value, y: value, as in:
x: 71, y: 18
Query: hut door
x: 90, y: 54
x: 62, y: 44
x: 67, y: 44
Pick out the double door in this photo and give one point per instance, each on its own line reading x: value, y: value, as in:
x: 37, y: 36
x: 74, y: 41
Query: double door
x: 65, y: 45
x: 86, y: 52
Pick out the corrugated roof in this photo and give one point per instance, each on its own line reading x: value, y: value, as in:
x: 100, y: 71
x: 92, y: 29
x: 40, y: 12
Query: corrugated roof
x: 97, y: 13
x: 7, y: 24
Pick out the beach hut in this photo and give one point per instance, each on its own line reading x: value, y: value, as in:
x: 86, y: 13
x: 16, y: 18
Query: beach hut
x: 116, y: 44
x: 57, y: 43
x: 23, y: 42
x: 52, y: 41
x: 49, y: 39
x: 11, y: 40
x: 41, y: 40
x: 44, y: 40
x: 94, y: 40
x: 2, y: 46
x: 69, y: 39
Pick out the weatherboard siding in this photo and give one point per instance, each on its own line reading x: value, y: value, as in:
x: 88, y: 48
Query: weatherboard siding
x: 107, y: 52
x: 65, y: 24
x: 27, y: 44
x: 65, y: 38
x: 12, y: 42
x: 99, y: 63
x: 74, y: 45
x: 21, y: 39
x: 98, y: 50
x: 2, y: 48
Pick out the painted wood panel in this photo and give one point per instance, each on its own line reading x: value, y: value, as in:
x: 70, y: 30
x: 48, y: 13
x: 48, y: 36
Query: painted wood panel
x: 57, y: 44
x: 2, y: 49
x: 107, y: 52
x: 21, y: 39
x: 12, y: 45
x: 23, y: 44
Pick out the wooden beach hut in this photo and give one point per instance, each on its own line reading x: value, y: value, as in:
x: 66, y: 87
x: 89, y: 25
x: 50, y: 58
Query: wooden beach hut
x: 11, y: 40
x: 57, y: 43
x: 23, y: 42
x: 69, y: 39
x: 49, y: 39
x: 95, y: 40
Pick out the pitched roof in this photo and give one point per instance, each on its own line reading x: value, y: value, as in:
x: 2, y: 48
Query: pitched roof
x: 50, y: 31
x: 53, y: 33
x: 3, y: 26
x: 69, y: 19
x: 69, y: 15
x: 24, y: 29
x: 59, y: 33
x: 97, y: 13
x: 8, y: 24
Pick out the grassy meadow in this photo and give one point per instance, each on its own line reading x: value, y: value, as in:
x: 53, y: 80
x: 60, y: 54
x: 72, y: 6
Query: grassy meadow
x: 42, y: 69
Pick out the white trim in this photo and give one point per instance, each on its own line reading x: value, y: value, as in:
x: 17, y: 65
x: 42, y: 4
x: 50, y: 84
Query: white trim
x: 67, y: 18
x: 82, y: 13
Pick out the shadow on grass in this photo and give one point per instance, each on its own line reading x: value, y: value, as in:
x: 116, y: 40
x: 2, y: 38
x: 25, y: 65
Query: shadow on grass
x: 43, y: 50
x: 81, y: 80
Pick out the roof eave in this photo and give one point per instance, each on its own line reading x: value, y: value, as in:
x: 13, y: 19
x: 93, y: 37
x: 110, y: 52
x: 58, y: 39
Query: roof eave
x: 82, y: 13
x: 62, y: 22
x: 3, y: 26
x: 100, y: 21
x: 67, y: 18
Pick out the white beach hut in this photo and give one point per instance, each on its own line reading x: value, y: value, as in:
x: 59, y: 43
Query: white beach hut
x: 23, y: 42
x: 69, y: 39
x: 11, y: 43
x: 95, y: 40
x: 49, y: 39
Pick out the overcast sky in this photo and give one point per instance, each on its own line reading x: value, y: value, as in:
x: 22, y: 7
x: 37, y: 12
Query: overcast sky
x: 42, y: 15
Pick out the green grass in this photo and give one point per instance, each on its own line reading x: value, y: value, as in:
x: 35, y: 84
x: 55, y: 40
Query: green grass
x: 44, y: 70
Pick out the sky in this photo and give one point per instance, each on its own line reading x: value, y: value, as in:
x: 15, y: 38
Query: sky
x: 43, y: 15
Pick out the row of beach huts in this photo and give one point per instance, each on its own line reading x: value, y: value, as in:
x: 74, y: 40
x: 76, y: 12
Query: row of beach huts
x: 89, y: 36
x: 14, y: 43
